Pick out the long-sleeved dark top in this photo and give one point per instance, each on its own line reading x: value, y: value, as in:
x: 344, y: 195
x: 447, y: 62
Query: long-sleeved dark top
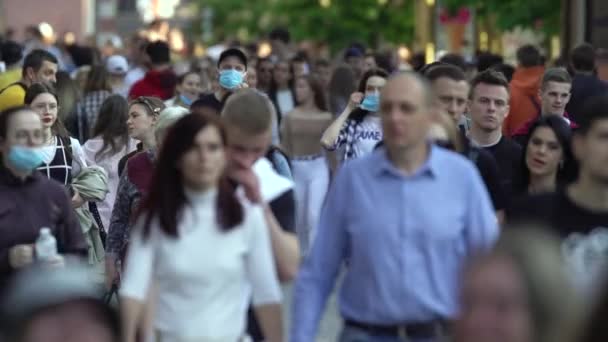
x: 26, y: 205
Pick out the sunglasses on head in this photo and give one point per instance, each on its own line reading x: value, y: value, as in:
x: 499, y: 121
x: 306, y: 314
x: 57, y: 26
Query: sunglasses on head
x: 143, y: 100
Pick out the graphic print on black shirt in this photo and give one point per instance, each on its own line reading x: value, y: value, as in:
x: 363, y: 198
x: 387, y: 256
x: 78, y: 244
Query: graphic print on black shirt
x: 584, y: 233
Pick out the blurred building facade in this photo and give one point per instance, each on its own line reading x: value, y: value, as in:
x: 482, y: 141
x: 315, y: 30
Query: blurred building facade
x: 77, y: 16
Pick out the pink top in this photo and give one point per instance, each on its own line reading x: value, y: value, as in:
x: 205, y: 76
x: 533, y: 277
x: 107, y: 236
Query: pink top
x: 110, y: 164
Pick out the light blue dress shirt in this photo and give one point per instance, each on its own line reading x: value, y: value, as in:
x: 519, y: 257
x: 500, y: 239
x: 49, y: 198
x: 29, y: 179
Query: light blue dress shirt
x: 406, y: 239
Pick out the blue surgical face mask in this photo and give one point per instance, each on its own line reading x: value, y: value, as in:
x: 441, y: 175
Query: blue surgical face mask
x: 371, y: 103
x: 24, y: 159
x: 230, y: 79
x: 185, y: 100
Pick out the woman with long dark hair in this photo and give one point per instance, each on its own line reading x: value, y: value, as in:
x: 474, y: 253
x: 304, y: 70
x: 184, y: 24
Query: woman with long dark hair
x: 548, y: 163
x: 281, y: 89
x: 193, y: 213
x: 109, y: 144
x: 342, y: 84
x: 96, y: 90
x: 301, y: 131
x: 357, y: 130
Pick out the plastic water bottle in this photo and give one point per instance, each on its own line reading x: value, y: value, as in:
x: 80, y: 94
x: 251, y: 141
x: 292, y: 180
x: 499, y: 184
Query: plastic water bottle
x: 46, y: 245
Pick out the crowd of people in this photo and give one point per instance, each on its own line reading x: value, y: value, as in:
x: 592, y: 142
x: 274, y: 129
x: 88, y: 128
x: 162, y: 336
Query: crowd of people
x: 451, y: 201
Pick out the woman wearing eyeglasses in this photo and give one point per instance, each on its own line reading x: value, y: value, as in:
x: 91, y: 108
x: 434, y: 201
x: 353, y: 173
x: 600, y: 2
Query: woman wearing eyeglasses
x: 63, y: 156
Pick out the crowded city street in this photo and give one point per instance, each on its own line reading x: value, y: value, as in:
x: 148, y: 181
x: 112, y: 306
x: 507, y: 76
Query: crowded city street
x: 303, y: 171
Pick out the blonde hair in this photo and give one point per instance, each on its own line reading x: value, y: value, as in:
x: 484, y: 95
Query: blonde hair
x: 249, y: 110
x: 166, y: 119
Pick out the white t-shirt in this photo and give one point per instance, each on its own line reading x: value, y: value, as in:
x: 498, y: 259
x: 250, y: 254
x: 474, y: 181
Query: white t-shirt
x: 368, y: 135
x: 203, y: 275
x: 285, y: 101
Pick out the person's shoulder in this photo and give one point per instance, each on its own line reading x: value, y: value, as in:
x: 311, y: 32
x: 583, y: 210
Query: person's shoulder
x: 15, y: 92
x: 363, y: 162
x: 511, y: 144
x: 137, y: 159
x: 75, y: 143
x: 537, y: 207
x: 442, y: 156
x: 208, y: 97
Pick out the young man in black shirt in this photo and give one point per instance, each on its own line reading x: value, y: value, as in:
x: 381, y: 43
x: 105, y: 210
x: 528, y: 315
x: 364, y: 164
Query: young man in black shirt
x: 248, y: 117
x: 232, y: 73
x: 579, y: 213
x: 489, y: 106
x: 452, y: 89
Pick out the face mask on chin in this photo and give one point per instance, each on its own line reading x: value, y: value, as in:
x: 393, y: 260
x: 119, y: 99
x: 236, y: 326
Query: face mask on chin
x: 185, y: 100
x: 371, y: 103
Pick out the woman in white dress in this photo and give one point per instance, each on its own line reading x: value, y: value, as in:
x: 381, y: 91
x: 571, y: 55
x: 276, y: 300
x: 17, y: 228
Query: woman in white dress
x: 206, y: 249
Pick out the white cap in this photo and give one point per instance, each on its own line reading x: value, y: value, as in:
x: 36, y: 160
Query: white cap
x: 117, y: 65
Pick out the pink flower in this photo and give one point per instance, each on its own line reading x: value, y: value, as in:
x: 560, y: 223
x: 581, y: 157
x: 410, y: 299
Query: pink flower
x: 462, y: 17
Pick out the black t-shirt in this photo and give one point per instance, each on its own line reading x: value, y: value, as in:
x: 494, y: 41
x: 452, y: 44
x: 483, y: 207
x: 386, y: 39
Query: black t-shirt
x: 209, y: 100
x: 584, y: 232
x: 508, y: 155
x: 559, y: 212
x: 488, y: 170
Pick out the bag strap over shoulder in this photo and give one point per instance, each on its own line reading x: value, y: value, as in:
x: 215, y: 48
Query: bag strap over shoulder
x: 14, y: 84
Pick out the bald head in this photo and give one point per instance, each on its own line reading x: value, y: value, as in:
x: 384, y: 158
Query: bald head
x: 407, y: 79
x: 406, y: 104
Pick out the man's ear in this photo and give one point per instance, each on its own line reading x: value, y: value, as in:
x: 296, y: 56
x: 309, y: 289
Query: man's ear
x: 577, y: 146
x: 29, y: 74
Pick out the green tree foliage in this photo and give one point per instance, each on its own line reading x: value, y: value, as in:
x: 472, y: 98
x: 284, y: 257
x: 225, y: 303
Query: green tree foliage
x: 543, y: 14
x: 343, y: 21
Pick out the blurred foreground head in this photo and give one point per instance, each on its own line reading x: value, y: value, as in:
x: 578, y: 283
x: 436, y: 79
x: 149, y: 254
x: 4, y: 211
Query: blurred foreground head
x: 518, y: 292
x: 57, y: 305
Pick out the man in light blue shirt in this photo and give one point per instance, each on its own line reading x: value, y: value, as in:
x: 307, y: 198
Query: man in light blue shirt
x: 406, y: 218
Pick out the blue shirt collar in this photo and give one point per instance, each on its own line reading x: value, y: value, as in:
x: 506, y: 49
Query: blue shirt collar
x: 429, y: 168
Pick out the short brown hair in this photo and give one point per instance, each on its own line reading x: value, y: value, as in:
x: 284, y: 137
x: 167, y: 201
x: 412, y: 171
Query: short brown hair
x: 558, y: 75
x: 250, y: 111
x: 491, y: 77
